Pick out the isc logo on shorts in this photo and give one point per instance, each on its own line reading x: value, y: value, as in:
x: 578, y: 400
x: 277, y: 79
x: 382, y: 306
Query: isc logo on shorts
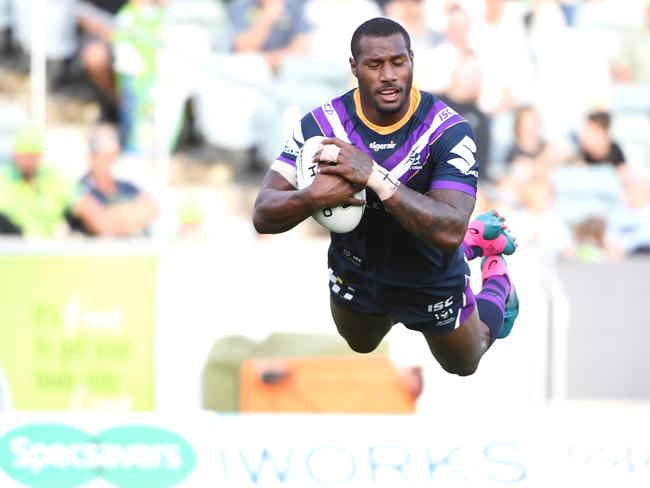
x: 443, y: 311
x: 441, y: 305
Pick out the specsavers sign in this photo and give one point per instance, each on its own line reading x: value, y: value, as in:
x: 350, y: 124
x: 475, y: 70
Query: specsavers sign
x: 52, y: 455
x: 208, y: 450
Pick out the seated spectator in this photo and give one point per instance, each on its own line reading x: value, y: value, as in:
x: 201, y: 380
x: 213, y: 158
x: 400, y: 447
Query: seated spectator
x: 129, y: 210
x: 593, y: 243
x: 34, y: 198
x: 462, y: 95
x: 539, y: 226
x: 95, y: 53
x: 630, y: 225
x: 529, y: 143
x: 530, y: 152
x: 412, y: 15
x: 235, y: 112
x: 595, y: 144
x: 275, y: 27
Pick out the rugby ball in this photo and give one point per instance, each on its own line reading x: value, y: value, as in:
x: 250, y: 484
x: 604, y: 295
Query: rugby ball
x: 339, y: 219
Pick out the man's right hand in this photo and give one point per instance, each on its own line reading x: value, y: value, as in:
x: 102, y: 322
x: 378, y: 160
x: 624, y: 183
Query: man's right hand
x: 331, y: 191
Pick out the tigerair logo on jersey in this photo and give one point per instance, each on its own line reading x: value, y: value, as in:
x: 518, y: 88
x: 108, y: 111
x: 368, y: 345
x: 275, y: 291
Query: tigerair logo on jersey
x: 375, y: 146
x: 130, y: 456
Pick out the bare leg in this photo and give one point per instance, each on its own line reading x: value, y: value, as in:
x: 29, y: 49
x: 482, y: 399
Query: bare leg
x: 460, y: 351
x: 363, y: 333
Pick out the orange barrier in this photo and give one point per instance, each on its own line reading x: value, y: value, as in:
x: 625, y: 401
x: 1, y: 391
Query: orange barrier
x: 358, y: 384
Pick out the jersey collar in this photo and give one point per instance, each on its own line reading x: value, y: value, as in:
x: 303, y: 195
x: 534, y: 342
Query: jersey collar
x: 414, y: 101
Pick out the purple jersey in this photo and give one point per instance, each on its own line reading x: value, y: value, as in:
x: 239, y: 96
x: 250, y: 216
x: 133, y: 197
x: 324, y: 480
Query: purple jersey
x: 431, y: 147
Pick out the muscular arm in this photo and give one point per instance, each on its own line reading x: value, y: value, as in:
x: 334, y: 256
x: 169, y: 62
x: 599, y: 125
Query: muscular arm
x: 279, y: 207
x: 439, y: 219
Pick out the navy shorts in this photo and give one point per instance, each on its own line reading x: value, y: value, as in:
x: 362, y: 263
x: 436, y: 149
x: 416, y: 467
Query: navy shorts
x: 435, y: 310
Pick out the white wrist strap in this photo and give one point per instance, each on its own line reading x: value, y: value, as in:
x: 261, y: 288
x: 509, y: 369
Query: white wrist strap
x: 382, y: 183
x: 330, y: 153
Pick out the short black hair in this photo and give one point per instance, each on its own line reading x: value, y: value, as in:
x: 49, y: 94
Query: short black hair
x: 600, y: 118
x: 378, y: 27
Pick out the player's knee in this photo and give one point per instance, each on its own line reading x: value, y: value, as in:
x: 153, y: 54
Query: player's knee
x: 461, y: 368
x: 362, y: 347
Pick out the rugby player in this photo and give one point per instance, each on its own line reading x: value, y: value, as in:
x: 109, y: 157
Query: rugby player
x: 407, y: 259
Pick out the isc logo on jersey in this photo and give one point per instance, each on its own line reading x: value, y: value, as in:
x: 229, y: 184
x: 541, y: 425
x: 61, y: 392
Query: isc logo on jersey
x: 341, y: 219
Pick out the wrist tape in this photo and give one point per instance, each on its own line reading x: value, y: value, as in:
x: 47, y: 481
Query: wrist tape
x: 329, y: 153
x: 381, y: 182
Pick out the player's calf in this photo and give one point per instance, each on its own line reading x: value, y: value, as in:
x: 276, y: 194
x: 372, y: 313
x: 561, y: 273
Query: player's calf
x: 497, y: 303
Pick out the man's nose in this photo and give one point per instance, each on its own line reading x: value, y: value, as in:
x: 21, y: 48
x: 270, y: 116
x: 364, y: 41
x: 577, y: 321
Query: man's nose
x: 387, y: 72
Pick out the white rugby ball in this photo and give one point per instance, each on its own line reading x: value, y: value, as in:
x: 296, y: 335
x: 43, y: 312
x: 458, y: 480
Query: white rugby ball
x: 339, y: 219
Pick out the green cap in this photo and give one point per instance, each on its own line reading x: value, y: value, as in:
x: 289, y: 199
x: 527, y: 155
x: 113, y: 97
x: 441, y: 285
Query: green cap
x: 29, y: 140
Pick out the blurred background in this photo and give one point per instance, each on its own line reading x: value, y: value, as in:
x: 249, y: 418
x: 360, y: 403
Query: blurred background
x: 134, y: 135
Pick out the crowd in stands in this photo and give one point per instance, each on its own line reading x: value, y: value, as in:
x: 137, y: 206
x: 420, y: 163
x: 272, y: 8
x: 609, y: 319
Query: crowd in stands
x: 558, y: 93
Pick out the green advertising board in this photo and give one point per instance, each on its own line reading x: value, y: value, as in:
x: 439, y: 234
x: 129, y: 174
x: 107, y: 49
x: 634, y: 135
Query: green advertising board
x: 76, y: 332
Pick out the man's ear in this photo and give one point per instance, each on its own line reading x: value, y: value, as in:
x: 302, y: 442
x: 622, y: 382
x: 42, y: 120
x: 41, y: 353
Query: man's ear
x: 353, y: 67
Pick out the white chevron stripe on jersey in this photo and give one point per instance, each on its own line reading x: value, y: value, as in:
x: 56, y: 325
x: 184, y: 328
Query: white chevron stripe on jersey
x: 404, y: 165
x: 334, y: 120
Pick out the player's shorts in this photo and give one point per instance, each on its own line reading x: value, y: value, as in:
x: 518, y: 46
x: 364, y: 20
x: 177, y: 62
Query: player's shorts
x: 435, y: 310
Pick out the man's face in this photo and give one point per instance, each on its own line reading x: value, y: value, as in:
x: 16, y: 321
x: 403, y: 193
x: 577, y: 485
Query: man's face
x: 27, y: 164
x: 384, y: 68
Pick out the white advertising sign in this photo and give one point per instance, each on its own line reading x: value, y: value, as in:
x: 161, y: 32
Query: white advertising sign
x: 203, y: 449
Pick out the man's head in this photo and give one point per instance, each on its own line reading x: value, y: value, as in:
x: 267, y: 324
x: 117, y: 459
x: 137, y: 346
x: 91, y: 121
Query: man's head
x: 594, y: 135
x: 104, y: 147
x: 382, y: 61
x: 28, y: 150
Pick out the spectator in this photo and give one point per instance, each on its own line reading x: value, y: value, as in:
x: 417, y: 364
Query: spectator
x: 412, y: 15
x: 631, y: 65
x: 530, y: 152
x: 630, y: 225
x: 346, y: 15
x: 129, y: 210
x: 236, y: 111
x: 593, y: 243
x: 34, y: 198
x: 463, y: 95
x: 137, y: 44
x: 538, y: 225
x: 595, y: 144
x: 500, y: 41
x: 275, y: 27
x: 529, y: 143
x: 444, y: 57
x: 95, y: 19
